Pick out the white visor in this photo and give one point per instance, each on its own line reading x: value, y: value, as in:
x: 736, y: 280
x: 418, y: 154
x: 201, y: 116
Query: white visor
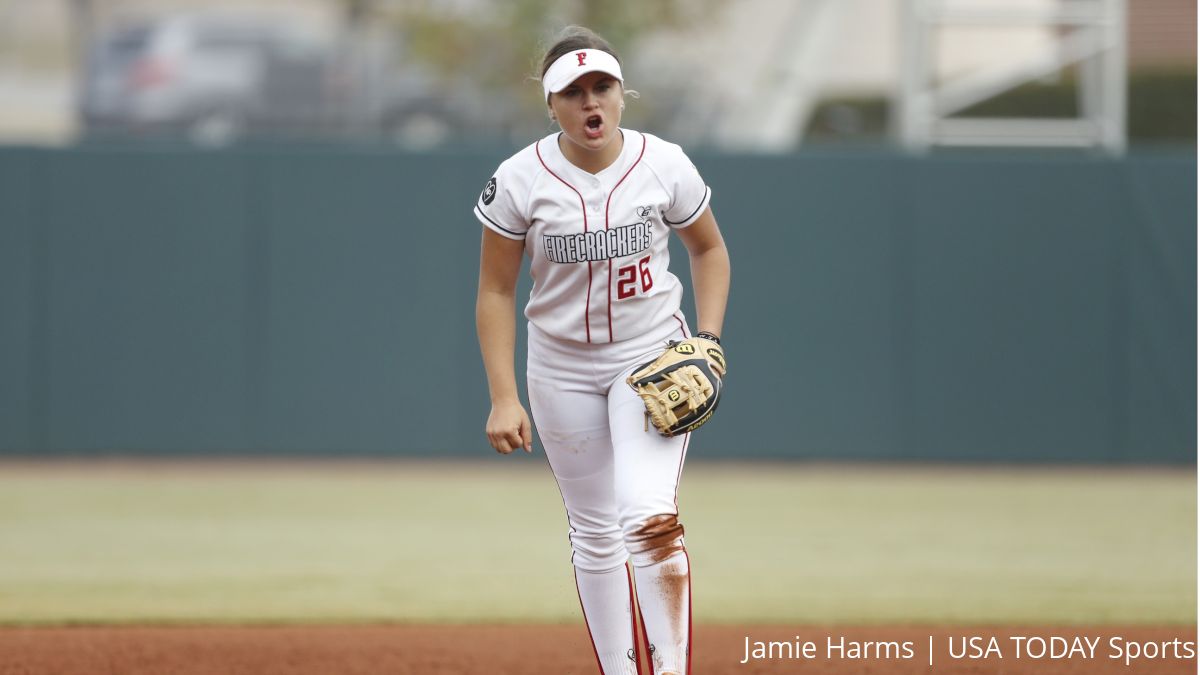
x: 568, y: 67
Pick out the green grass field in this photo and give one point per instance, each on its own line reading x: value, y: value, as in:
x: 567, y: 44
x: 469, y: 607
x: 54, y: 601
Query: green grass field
x: 486, y: 541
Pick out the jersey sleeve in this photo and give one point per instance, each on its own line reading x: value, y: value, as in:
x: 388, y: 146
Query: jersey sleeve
x: 499, y: 205
x: 689, y: 193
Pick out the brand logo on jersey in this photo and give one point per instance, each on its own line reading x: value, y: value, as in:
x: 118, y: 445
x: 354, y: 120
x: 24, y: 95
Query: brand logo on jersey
x: 644, y: 211
x: 599, y: 244
x: 581, y: 56
x: 489, y: 191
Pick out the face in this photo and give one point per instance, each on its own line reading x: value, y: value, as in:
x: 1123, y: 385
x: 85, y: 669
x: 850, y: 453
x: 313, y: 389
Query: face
x: 589, y: 110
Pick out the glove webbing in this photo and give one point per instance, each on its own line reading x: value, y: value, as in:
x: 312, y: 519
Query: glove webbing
x: 694, y: 390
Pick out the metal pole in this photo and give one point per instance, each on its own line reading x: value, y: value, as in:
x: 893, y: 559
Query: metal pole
x: 1114, y: 72
x: 909, y: 116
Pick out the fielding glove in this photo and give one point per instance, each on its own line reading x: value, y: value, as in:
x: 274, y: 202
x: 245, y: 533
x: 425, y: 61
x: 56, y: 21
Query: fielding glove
x: 682, y: 386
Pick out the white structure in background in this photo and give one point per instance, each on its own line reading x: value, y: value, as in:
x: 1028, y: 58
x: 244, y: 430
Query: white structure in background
x: 749, y: 75
x: 756, y: 70
x: 770, y: 82
x: 1086, y: 33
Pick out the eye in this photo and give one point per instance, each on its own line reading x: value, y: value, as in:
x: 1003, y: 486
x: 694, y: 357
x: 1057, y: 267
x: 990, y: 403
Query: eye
x: 570, y: 93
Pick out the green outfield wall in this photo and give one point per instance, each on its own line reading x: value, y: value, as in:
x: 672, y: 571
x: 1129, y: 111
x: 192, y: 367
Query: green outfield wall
x: 1021, y: 307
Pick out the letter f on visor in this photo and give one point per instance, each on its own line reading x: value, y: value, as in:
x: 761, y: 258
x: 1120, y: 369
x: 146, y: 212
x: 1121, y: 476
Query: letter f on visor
x: 568, y: 67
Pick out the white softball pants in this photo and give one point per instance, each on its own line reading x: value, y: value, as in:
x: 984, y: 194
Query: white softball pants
x: 619, y: 481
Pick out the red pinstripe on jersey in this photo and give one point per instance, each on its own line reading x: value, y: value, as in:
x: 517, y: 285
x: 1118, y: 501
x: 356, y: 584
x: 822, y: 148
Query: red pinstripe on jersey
x: 587, y: 324
x: 606, y: 205
x: 681, y: 328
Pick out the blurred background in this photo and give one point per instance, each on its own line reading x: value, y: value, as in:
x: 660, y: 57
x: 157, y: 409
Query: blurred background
x: 762, y: 75
x: 961, y: 230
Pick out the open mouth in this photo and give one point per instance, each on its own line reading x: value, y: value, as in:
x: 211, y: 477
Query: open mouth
x: 594, y: 126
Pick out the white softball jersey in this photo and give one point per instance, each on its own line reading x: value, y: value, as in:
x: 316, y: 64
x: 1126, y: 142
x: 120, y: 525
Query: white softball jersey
x: 597, y: 242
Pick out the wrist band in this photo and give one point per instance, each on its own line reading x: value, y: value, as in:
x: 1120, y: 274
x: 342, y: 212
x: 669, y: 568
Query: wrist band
x: 708, y: 336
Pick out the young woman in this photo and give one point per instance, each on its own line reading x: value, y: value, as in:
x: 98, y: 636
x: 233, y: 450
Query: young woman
x: 593, y: 207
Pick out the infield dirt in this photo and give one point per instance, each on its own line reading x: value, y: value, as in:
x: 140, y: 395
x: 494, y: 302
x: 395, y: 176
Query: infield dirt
x: 523, y: 650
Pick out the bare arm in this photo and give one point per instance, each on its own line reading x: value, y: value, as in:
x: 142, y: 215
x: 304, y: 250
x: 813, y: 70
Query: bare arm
x: 710, y: 271
x: 508, y: 426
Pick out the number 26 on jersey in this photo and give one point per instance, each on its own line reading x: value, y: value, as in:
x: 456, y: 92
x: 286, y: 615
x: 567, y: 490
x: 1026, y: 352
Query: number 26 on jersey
x: 629, y: 276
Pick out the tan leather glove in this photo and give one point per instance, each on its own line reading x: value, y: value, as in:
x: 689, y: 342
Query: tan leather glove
x: 682, y: 386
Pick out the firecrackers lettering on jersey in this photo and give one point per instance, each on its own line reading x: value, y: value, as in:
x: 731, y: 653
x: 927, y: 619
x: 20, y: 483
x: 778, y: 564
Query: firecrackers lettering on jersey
x: 617, y: 242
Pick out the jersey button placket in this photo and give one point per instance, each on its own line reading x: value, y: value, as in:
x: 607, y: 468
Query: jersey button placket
x: 597, y: 195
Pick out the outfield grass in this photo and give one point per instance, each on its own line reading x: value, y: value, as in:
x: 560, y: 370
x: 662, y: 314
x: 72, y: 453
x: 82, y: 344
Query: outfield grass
x: 486, y: 541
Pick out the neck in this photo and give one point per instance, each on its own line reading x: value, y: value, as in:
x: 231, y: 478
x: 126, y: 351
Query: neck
x: 592, y: 161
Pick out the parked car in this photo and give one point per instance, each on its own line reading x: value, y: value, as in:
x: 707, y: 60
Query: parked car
x: 212, y: 77
x: 216, y: 76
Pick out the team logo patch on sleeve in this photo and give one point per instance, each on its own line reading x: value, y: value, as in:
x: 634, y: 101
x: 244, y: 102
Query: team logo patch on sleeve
x: 489, y: 191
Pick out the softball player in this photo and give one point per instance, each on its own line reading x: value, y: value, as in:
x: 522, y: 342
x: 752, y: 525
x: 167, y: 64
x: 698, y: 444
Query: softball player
x: 593, y: 207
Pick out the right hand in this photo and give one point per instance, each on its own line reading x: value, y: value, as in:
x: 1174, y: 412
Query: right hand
x: 508, y: 428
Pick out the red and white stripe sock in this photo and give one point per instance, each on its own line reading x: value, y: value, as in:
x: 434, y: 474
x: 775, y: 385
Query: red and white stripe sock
x: 664, y: 596
x: 607, y: 599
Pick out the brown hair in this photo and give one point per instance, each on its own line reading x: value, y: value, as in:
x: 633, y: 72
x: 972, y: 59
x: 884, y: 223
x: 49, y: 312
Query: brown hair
x: 574, y: 38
